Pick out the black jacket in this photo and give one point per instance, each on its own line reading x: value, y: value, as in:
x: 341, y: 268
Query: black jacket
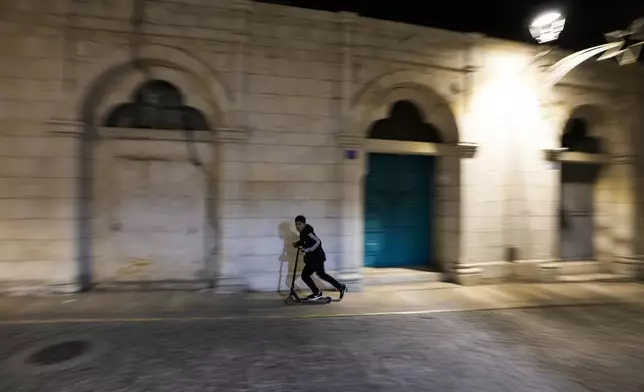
x: 313, y: 252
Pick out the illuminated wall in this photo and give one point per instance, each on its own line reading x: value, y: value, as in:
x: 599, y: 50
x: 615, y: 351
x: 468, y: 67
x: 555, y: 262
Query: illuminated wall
x: 285, y: 92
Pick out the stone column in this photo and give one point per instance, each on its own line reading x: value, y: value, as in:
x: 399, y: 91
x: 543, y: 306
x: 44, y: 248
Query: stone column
x: 629, y: 208
x: 351, y: 176
x: 618, y: 196
x: 72, y: 254
x: 635, y: 266
x: 464, y: 270
x: 231, y: 204
x: 348, y: 22
x: 239, y: 115
x: 230, y: 208
x: 350, y: 168
x: 478, y: 189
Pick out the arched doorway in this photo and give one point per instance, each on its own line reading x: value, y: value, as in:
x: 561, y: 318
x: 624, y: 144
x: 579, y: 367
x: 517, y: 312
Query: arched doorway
x: 577, y: 198
x: 399, y: 194
x: 150, y: 198
x: 113, y: 84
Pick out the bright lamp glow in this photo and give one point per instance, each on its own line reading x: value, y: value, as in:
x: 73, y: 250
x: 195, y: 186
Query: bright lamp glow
x: 545, y: 19
x: 547, y: 26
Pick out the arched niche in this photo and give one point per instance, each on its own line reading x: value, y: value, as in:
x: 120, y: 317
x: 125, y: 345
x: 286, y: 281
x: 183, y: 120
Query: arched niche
x: 378, y: 112
x: 596, y: 195
x: 400, y: 191
x: 156, y: 104
x: 125, y: 110
x: 405, y: 122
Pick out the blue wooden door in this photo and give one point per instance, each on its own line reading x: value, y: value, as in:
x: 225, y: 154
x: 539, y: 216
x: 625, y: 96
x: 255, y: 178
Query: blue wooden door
x: 398, y: 211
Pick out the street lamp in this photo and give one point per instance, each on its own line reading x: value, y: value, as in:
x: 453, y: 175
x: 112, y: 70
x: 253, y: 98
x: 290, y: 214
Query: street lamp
x: 547, y: 26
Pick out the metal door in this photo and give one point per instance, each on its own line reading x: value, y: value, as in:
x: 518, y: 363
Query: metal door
x: 398, y: 211
x: 577, y: 221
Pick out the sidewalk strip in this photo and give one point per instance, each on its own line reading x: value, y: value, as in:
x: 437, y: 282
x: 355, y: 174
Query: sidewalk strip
x: 131, y: 320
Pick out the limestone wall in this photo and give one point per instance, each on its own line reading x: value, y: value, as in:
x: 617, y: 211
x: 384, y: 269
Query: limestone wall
x: 38, y: 196
x: 292, y: 67
x: 286, y: 91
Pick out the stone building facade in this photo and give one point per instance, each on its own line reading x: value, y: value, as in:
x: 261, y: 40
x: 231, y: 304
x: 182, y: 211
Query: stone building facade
x: 172, y: 143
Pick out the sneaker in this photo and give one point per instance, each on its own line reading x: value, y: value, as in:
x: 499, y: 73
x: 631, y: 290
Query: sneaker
x: 315, y: 296
x: 344, y: 290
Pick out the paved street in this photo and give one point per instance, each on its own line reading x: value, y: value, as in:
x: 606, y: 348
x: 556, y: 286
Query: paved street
x: 583, y: 348
x: 566, y: 337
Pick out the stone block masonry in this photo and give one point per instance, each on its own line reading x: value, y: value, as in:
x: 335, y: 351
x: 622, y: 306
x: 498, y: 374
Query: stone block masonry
x: 285, y: 92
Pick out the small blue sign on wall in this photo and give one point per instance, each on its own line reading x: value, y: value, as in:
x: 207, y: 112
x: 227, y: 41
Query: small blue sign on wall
x: 351, y: 154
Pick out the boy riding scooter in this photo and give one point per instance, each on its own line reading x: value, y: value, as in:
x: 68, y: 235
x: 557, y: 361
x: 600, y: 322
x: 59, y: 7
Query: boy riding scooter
x: 314, y: 258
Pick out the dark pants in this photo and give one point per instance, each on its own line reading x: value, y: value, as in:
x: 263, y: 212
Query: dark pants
x: 318, y: 268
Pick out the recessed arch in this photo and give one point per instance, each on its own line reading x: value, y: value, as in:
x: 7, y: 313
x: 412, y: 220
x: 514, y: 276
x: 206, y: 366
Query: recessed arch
x: 156, y: 104
x: 375, y: 102
x: 601, y: 122
x: 596, y: 199
x: 114, y: 81
x: 114, y: 84
x: 405, y: 122
x: 577, y: 137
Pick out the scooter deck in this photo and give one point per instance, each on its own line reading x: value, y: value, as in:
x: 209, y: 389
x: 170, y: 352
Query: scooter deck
x: 293, y: 298
x: 320, y: 301
x: 315, y: 301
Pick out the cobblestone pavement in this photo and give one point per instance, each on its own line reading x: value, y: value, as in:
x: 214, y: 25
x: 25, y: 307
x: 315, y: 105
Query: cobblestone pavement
x: 579, y: 348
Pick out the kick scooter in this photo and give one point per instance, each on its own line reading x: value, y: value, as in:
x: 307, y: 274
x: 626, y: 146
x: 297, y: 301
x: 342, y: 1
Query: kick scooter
x: 294, y: 298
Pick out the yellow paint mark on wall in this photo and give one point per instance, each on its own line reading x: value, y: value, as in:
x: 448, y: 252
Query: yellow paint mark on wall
x: 135, y: 267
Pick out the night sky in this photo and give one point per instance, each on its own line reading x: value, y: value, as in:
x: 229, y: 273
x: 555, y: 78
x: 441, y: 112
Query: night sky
x: 586, y: 20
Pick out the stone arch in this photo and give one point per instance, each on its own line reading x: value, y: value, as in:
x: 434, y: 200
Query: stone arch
x: 577, y: 137
x: 603, y: 123
x: 156, y: 104
x: 405, y: 122
x: 113, y: 84
x: 595, y: 119
x: 374, y: 102
x: 613, y: 181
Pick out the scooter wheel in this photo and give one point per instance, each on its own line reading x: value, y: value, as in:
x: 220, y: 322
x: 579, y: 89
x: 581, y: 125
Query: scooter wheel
x: 327, y: 301
x: 289, y: 300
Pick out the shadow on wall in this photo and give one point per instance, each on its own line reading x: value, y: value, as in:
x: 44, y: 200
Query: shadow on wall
x: 287, y: 262
x: 287, y: 256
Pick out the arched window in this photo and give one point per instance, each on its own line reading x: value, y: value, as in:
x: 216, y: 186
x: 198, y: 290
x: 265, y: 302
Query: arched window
x: 157, y: 105
x: 405, y: 122
x: 576, y: 138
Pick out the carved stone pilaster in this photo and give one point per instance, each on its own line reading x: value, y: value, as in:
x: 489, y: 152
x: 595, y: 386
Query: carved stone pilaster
x: 240, y: 82
x: 348, y: 22
x: 349, y: 173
